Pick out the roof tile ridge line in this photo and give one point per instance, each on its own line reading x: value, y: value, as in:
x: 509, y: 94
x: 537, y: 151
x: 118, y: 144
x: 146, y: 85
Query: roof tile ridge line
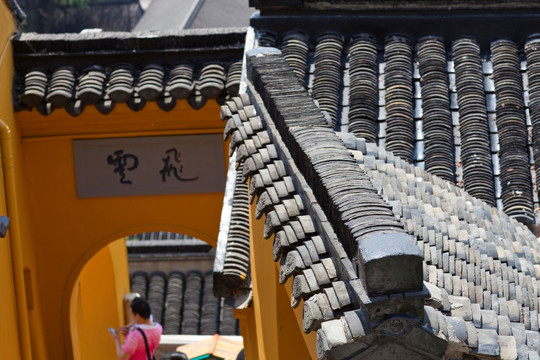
x: 193, y: 40
x: 300, y: 282
x: 129, y: 35
x: 322, y: 224
x: 312, y: 319
x: 344, y: 267
x: 346, y: 272
x: 273, y: 97
x: 370, y: 250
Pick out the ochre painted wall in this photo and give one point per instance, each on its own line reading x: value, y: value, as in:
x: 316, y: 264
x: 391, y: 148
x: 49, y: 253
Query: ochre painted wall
x: 275, y: 320
x: 67, y: 231
x: 10, y: 346
x: 248, y: 330
x: 97, y: 302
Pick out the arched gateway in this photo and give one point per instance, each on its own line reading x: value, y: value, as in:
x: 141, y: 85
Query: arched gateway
x: 105, y: 144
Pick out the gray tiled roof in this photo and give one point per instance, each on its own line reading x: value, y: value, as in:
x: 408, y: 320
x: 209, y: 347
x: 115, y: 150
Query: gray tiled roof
x: 481, y: 264
x: 231, y: 266
x: 72, y: 71
x: 489, y: 145
x: 361, y: 276
x: 184, y: 303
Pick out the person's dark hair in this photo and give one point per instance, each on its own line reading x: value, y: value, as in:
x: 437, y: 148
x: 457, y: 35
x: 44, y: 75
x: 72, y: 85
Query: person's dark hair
x: 141, y: 307
x: 241, y: 355
x: 179, y: 356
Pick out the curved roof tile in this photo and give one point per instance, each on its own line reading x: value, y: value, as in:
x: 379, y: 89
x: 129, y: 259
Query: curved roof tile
x: 463, y: 112
x: 135, y: 68
x: 476, y: 292
x: 184, y: 303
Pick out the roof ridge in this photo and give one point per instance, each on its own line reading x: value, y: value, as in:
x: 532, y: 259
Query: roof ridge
x: 120, y: 35
x: 323, y: 275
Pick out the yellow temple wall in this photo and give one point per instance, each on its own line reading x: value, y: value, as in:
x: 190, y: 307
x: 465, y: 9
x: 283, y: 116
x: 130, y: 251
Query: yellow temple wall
x: 69, y: 231
x: 62, y: 232
x: 63, y: 271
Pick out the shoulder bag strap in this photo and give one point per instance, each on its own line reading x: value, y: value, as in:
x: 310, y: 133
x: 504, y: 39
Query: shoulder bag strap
x: 145, y: 344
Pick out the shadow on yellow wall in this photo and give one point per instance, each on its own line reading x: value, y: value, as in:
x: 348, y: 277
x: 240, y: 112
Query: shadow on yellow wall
x: 96, y: 303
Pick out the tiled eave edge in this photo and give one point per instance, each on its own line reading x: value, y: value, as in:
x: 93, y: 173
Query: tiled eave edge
x: 73, y: 71
x: 391, y: 5
x: 351, y: 314
x: 232, y: 278
x: 234, y: 287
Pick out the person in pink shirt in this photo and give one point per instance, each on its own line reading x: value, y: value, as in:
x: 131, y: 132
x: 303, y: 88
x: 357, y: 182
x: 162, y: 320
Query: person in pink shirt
x: 134, y: 347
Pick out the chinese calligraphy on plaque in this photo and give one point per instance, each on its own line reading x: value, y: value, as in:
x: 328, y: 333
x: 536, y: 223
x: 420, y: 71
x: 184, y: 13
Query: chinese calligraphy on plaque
x: 175, y: 167
x: 149, y: 165
x: 172, y: 165
x: 121, y: 163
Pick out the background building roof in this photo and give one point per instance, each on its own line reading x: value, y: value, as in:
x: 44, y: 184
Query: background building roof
x: 48, y: 16
x: 189, y: 14
x: 406, y: 84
